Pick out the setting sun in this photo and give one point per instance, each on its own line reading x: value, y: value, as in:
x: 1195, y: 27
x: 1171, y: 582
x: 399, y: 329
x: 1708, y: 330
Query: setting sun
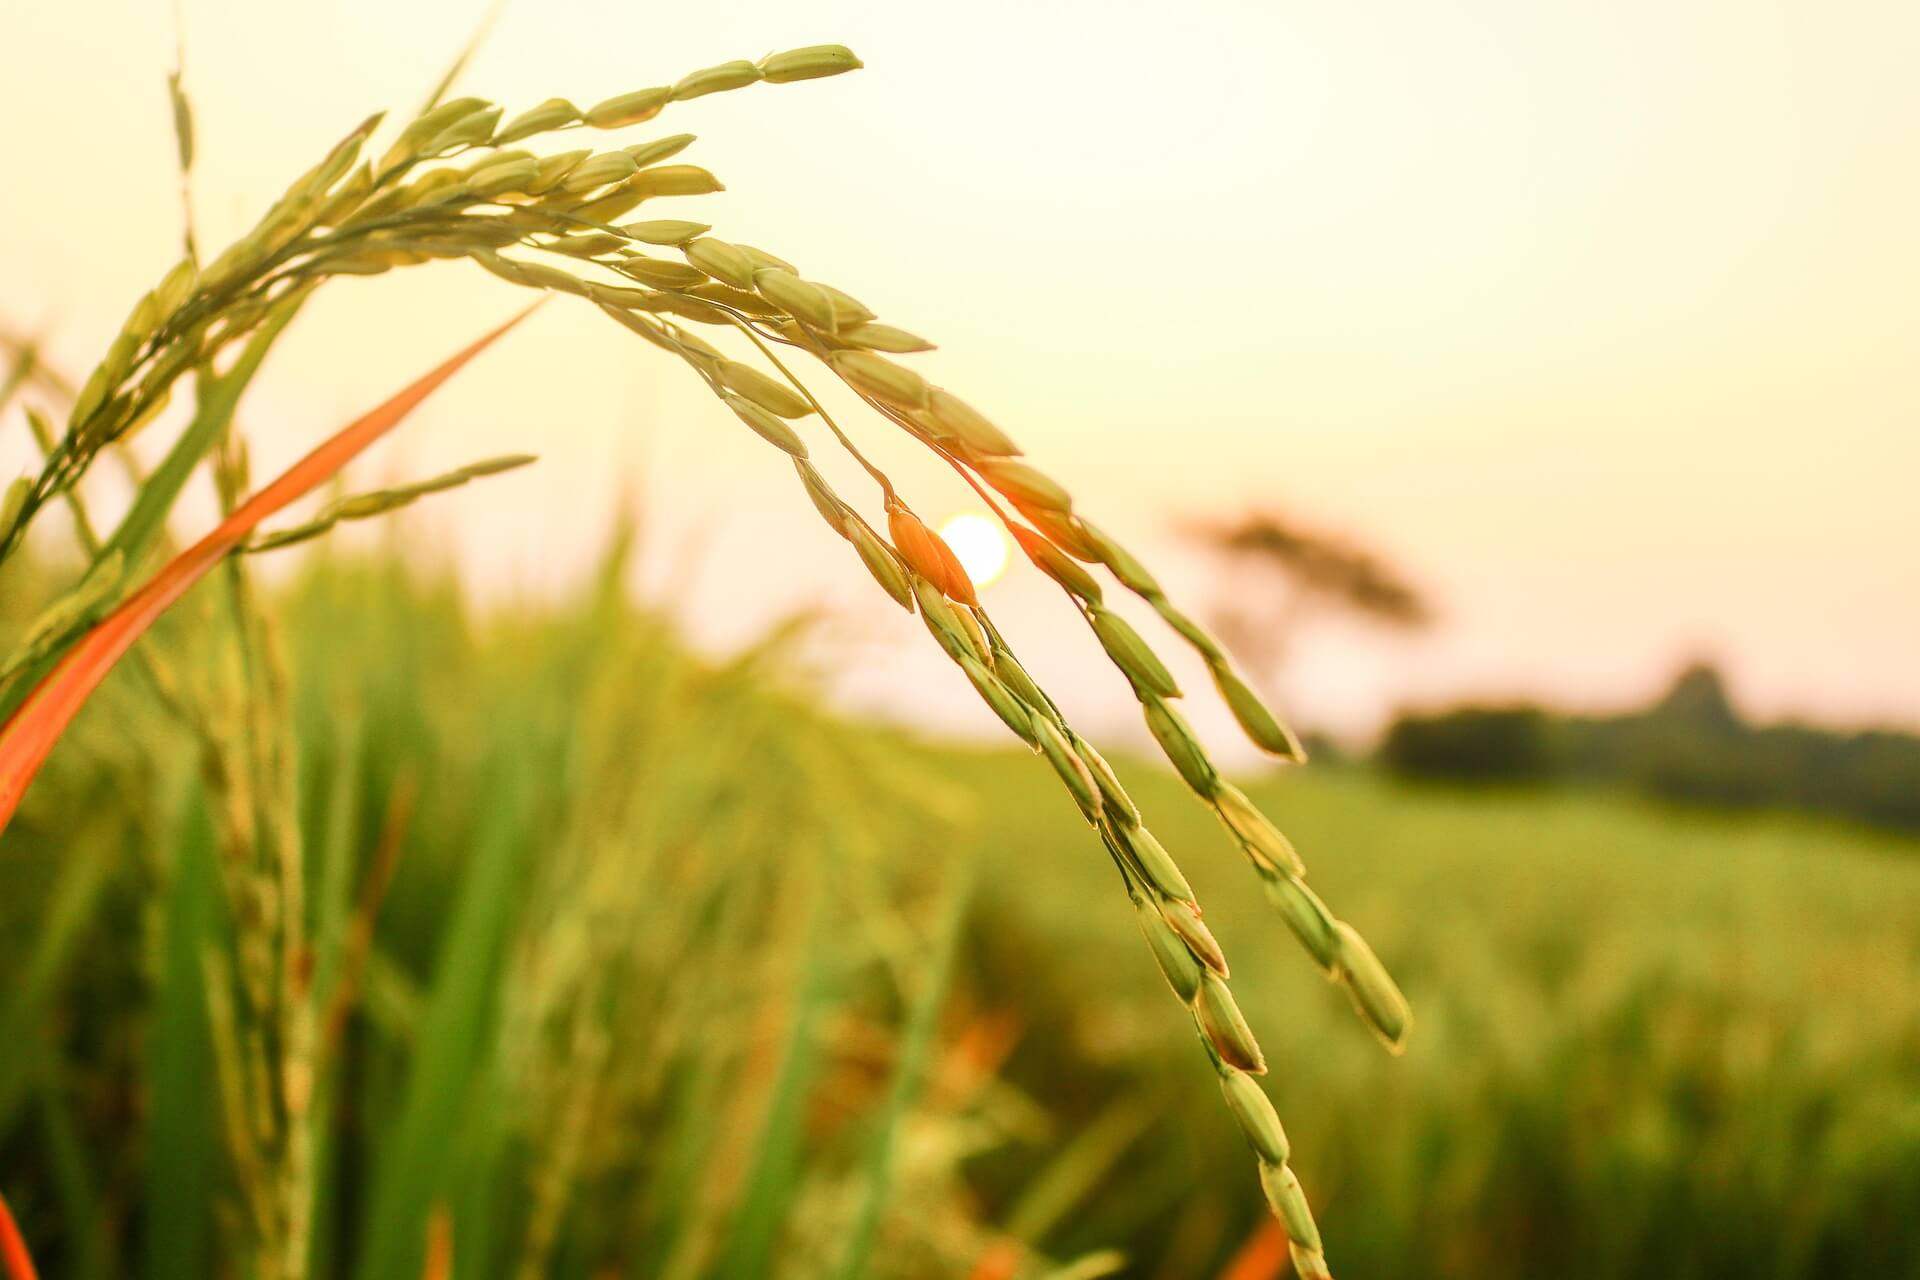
x: 979, y: 543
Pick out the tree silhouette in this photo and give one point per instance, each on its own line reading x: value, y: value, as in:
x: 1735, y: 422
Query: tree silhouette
x: 1286, y: 573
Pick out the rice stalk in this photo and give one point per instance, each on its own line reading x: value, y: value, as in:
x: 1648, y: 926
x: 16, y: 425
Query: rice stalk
x: 561, y: 215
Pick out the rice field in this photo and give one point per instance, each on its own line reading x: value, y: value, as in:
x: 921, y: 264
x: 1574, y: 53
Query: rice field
x: 353, y: 930
x: 629, y: 963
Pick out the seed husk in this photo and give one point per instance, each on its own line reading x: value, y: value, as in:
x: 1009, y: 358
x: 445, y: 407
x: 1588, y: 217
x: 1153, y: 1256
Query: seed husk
x: 144, y: 318
x: 602, y: 170
x: 1254, y: 1110
x: 880, y: 562
x: 542, y: 276
x: 721, y: 260
x: 874, y: 336
x: 504, y: 155
x: 176, y: 286
x: 1259, y: 724
x: 809, y: 63
x: 1262, y: 840
x: 770, y: 428
x: 763, y: 260
x: 1176, y: 962
x: 651, y: 153
x: 591, y: 245
x: 627, y: 319
x: 1121, y: 561
x: 1310, y: 1263
x: 628, y: 108
x: 665, y: 231
x: 1225, y: 1027
x: 408, y: 145
x: 1161, y: 871
x: 554, y: 169
x: 430, y: 123
x: 928, y: 555
x: 1374, y: 991
x: 996, y: 695
x: 1290, y: 1204
x: 1184, y: 919
x: 1024, y: 483
x: 798, y: 298
x: 1120, y: 805
x: 954, y: 417
x: 1015, y: 677
x: 943, y: 621
x: 473, y: 128
x: 661, y: 273
x: 848, y: 308
x: 1062, y: 529
x: 1072, y: 770
x: 498, y: 179
x: 1309, y: 919
x: 346, y: 199
x: 692, y: 309
x: 1056, y: 564
x: 1181, y: 747
x: 728, y: 75
x: 881, y: 378
x: 674, y: 180
x: 775, y: 397
x: 726, y: 295
x: 957, y: 584
x: 617, y: 203
x: 1131, y: 653
x: 697, y: 345
x: 1190, y: 631
x: 551, y: 114
x: 976, y: 637
x: 831, y: 509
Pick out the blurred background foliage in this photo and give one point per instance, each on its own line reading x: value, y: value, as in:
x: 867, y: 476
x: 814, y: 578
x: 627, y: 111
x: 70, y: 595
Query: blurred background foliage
x: 645, y: 965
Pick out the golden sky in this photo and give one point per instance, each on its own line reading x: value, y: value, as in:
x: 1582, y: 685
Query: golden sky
x: 1602, y: 318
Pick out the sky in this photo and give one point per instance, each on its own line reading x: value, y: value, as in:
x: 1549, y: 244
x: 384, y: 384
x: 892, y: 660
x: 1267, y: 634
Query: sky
x: 1600, y: 320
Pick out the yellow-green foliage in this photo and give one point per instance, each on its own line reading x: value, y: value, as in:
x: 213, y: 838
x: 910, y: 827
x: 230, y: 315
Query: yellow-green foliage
x: 1652, y: 1041
x: 657, y: 986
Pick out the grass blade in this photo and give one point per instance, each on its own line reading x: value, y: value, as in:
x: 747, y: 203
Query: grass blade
x: 182, y: 1141
x: 915, y: 1044
x: 22, y: 1013
x: 414, y: 1168
x: 88, y: 1235
x: 775, y: 1166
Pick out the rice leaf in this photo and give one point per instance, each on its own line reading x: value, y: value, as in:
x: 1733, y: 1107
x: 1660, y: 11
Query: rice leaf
x: 182, y: 1144
x: 414, y: 1167
x: 916, y: 1041
x: 775, y: 1164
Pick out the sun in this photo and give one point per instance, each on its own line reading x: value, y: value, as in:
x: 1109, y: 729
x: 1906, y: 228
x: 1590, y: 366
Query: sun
x: 979, y: 543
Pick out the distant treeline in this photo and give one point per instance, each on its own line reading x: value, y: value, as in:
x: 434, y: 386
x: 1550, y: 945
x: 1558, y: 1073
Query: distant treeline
x: 1690, y: 746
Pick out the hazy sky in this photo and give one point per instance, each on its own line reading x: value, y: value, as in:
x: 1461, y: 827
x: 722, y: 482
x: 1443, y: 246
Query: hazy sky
x: 1603, y: 319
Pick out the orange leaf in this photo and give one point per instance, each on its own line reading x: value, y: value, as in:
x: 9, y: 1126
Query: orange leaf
x: 27, y: 738
x: 15, y: 1262
x: 1262, y: 1257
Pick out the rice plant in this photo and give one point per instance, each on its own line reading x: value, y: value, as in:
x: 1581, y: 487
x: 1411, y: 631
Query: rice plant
x: 464, y: 181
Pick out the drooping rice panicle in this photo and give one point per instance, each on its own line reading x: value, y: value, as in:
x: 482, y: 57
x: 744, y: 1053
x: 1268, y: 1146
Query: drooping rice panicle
x: 457, y: 183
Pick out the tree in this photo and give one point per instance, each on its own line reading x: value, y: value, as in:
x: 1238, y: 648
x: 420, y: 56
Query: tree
x: 1286, y: 574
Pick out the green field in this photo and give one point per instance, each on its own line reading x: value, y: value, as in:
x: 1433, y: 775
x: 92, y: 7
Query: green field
x: 677, y: 975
